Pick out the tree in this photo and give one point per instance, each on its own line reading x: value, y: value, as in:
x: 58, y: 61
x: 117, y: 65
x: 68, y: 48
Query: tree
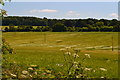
x: 84, y: 29
x: 99, y: 24
x: 28, y: 28
x: 80, y: 23
x: 68, y: 23
x: 6, y: 29
x: 38, y: 29
x: 116, y: 28
x: 3, y: 12
x: 12, y: 27
x: 59, y: 27
x: 21, y: 28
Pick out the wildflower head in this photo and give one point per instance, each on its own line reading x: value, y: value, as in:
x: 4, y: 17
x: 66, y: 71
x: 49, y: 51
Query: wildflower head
x: 75, y: 62
x: 24, y: 72
x: 88, y: 69
x: 59, y: 65
x: 87, y: 55
x: 35, y: 73
x: 33, y: 66
x: 94, y: 70
x: 79, y: 76
x: 75, y: 55
x: 101, y: 77
x: 103, y: 69
x: 62, y: 49
x: 75, y: 66
x: 68, y: 53
x: 48, y: 71
x: 68, y: 48
x: 13, y: 75
x: 30, y: 68
x: 23, y: 76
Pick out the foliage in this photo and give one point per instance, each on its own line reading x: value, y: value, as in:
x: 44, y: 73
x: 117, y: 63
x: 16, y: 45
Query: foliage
x: 75, y: 68
x: 74, y: 25
x: 3, y: 12
x: 6, y: 49
x: 58, y: 27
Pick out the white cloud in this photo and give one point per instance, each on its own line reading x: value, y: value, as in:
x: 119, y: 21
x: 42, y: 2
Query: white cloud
x: 115, y: 15
x: 72, y: 13
x: 43, y: 11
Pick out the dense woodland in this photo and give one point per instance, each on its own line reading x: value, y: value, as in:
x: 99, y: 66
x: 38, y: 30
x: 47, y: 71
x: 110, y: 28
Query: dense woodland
x: 59, y: 25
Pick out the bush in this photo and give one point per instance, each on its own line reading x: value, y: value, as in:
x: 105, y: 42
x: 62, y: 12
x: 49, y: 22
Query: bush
x: 6, y: 49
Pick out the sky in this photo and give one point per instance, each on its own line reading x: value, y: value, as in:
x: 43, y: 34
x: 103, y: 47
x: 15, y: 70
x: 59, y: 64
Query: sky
x: 65, y: 0
x: 66, y: 10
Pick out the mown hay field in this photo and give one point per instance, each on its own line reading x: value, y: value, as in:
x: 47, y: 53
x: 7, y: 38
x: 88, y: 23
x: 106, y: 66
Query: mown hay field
x: 43, y: 49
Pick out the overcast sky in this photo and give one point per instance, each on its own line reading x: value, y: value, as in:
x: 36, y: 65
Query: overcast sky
x: 73, y: 10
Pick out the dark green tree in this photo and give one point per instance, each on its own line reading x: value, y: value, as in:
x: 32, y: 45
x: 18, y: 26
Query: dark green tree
x: 59, y: 27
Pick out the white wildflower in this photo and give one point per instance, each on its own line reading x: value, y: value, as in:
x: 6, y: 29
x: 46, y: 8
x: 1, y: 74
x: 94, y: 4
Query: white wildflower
x: 75, y: 66
x: 88, y: 69
x: 30, y: 68
x: 68, y: 47
x: 94, y: 71
x: 24, y: 72
x: 13, y: 75
x: 35, y: 73
x: 103, y: 69
x: 102, y: 77
x: 87, y: 55
x: 68, y: 53
x: 75, y: 62
x: 62, y: 49
x: 33, y: 66
x: 79, y: 76
x: 59, y: 65
x: 76, y: 55
x: 14, y: 62
x: 30, y: 75
x: 23, y: 76
x: 48, y: 71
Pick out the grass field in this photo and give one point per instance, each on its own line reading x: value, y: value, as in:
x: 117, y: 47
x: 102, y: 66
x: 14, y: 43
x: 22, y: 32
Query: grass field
x: 43, y: 49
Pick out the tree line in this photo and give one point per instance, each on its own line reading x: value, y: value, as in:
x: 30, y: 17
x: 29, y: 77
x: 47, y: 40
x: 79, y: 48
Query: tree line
x: 59, y: 25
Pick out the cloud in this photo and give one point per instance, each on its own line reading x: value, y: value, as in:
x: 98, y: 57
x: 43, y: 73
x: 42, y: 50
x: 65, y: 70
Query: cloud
x: 72, y: 13
x: 43, y: 11
x: 115, y: 15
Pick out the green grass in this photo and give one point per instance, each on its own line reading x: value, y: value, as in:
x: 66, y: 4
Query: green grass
x: 43, y: 49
